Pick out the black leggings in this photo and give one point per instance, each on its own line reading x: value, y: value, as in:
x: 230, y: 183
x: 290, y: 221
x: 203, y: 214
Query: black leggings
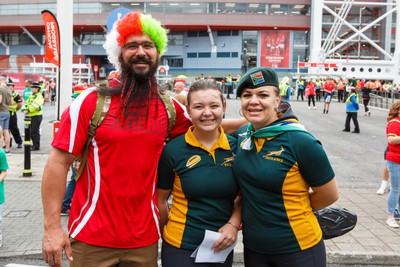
x: 311, y: 98
x: 312, y: 257
x: 365, y: 102
x: 177, y: 257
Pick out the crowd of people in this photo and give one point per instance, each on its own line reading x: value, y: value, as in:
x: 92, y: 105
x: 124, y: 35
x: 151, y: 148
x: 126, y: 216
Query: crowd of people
x: 342, y: 87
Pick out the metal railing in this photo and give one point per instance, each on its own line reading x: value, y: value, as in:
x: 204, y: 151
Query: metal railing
x: 378, y: 99
x: 382, y: 99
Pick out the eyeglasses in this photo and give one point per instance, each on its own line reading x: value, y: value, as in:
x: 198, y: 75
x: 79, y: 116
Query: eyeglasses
x: 134, y: 46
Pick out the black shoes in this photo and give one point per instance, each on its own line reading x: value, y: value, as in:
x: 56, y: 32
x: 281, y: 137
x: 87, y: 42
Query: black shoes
x: 19, y: 145
x: 355, y: 131
x: 35, y: 148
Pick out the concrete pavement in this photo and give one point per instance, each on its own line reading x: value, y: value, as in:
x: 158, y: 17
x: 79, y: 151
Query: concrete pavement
x: 371, y: 243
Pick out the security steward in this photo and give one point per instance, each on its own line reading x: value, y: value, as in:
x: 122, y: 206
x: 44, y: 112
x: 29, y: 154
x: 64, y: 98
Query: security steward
x: 34, y: 109
x: 16, y: 105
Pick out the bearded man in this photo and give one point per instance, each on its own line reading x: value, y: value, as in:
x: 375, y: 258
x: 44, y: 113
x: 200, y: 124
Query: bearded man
x: 114, y: 216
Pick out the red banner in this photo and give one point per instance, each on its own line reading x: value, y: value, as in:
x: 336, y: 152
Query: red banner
x: 275, y: 49
x: 52, y: 38
x: 315, y: 65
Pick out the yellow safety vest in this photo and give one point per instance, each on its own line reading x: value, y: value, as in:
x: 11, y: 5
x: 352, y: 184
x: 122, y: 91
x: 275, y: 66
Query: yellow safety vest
x: 13, y: 108
x: 283, y: 88
x: 35, y: 104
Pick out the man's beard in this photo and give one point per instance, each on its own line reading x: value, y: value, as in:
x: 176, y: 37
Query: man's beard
x: 137, y: 88
x: 127, y: 68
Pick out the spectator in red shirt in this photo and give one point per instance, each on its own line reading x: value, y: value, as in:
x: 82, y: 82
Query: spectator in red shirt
x: 393, y: 164
x: 328, y: 93
x: 310, y: 89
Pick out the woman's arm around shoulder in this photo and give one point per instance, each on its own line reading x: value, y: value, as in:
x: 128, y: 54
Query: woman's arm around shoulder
x: 231, y: 125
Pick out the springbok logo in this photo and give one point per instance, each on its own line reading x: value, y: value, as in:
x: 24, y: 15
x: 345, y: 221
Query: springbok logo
x: 276, y: 153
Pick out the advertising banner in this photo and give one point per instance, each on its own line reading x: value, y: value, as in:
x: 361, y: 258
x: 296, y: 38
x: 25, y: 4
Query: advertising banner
x: 52, y: 33
x: 275, y: 49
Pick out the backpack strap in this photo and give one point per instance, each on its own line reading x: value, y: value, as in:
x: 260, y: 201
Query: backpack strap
x: 102, y: 107
x: 171, y: 112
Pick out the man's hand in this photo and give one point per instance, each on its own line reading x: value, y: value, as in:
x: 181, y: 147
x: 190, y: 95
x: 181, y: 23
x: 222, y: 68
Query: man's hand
x: 54, y: 242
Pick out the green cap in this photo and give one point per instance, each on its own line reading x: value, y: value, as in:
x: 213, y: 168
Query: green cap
x: 257, y: 77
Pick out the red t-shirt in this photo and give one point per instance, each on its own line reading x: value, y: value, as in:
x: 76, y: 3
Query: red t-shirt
x: 311, y: 88
x: 393, y: 129
x: 114, y: 203
x: 329, y: 87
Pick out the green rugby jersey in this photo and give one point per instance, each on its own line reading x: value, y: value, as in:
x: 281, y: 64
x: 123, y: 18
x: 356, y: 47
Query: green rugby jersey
x: 274, y: 178
x: 203, y: 187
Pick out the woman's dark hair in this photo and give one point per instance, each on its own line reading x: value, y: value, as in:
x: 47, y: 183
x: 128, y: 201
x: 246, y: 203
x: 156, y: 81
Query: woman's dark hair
x: 204, y: 85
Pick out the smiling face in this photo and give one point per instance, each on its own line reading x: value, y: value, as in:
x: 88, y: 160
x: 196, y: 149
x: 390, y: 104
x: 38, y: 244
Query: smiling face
x: 259, y: 106
x: 139, y: 56
x: 206, y: 109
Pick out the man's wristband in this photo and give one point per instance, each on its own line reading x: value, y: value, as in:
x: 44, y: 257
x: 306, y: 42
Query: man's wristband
x: 234, y: 225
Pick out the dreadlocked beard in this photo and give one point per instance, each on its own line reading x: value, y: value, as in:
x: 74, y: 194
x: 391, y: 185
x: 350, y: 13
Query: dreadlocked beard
x: 136, y: 90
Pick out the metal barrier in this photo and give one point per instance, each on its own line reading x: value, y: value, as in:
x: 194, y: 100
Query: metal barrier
x: 377, y: 99
x: 382, y: 99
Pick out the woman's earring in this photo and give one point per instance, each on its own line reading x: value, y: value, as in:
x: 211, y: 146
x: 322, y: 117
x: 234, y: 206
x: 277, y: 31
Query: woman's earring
x: 240, y: 113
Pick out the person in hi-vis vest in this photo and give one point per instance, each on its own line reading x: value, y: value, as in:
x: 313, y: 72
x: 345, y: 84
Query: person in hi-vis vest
x: 34, y: 109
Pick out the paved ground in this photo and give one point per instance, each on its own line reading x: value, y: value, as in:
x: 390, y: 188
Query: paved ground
x: 357, y: 161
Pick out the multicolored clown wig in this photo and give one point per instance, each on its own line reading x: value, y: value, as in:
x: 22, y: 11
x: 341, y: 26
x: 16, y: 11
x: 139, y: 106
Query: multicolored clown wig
x: 134, y: 23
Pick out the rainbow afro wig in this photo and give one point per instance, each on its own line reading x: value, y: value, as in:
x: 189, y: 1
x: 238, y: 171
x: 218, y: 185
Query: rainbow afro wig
x: 134, y: 23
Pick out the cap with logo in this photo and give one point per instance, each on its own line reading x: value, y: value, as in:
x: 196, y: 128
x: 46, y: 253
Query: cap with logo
x: 257, y: 77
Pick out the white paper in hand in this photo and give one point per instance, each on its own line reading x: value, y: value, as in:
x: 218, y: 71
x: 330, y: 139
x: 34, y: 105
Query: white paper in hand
x: 204, y: 253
